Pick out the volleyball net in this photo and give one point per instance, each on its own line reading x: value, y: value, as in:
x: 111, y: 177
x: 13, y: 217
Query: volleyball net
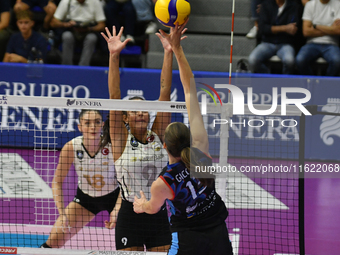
x: 262, y: 200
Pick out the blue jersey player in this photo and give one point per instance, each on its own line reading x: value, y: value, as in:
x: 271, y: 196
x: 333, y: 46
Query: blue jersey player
x: 198, y: 214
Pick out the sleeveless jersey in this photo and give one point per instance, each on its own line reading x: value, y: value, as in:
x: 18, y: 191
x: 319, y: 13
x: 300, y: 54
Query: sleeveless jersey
x: 96, y: 175
x: 139, y: 165
x: 194, y: 206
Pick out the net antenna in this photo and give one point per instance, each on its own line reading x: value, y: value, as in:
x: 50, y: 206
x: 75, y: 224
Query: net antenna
x: 231, y: 47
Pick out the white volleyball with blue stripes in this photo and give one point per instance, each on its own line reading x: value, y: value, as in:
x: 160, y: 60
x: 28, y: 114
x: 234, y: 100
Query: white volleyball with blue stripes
x: 169, y: 12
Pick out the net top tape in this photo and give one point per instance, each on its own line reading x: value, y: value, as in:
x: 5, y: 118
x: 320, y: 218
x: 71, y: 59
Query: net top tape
x: 126, y: 105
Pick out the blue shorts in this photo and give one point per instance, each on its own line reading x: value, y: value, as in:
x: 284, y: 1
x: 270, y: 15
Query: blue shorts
x: 97, y: 204
x: 211, y: 241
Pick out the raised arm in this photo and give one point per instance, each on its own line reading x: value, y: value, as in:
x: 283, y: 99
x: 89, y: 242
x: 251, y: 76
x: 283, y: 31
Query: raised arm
x: 163, y: 119
x: 118, y: 131
x: 64, y: 164
x: 198, y: 132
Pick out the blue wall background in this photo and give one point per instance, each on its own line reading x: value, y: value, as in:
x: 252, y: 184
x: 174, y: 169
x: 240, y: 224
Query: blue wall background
x: 322, y: 132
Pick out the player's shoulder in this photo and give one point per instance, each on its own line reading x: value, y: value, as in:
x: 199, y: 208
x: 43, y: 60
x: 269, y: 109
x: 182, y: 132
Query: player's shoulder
x: 77, y: 140
x: 68, y: 147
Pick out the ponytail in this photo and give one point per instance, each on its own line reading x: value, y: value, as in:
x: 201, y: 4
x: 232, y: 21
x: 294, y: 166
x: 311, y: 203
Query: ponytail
x: 190, y: 161
x: 177, y: 140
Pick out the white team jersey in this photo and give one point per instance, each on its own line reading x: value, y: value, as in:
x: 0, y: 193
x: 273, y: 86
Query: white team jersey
x: 96, y: 175
x: 140, y: 165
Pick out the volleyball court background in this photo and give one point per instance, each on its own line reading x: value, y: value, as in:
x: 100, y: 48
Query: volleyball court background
x: 263, y: 213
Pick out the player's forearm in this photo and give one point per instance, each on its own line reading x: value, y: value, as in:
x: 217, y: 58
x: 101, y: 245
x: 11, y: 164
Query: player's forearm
x: 118, y: 204
x: 114, y: 76
x: 166, y: 77
x: 185, y: 72
x: 58, y: 197
x: 149, y: 208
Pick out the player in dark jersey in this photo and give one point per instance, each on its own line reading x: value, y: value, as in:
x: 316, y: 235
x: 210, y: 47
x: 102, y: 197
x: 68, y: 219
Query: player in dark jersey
x: 198, y: 213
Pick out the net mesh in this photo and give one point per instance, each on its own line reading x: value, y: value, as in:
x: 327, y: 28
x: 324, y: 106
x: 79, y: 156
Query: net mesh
x: 263, y: 212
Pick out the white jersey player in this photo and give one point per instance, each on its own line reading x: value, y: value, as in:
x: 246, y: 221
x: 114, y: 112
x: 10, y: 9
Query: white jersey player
x: 139, y: 165
x: 138, y: 155
x: 97, y: 189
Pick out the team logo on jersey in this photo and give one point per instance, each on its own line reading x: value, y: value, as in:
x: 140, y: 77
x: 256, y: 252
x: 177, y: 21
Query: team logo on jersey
x: 133, y: 142
x: 150, y: 138
x: 105, y: 163
x: 80, y: 154
x: 156, y: 146
x: 105, y: 151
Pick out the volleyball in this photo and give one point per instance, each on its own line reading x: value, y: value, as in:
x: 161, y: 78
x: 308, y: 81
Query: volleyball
x: 169, y: 12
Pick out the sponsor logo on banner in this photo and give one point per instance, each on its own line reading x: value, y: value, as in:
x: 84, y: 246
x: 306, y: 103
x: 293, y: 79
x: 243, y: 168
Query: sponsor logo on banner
x: 8, y: 250
x: 178, y: 106
x: 70, y: 102
x: 3, y: 100
x: 330, y: 125
x: 19, y: 179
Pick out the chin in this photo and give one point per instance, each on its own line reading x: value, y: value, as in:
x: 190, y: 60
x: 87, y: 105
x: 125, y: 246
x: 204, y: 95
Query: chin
x: 141, y: 126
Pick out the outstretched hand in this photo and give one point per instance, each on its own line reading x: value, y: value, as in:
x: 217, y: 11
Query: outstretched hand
x: 114, y: 43
x: 175, y: 36
x: 165, y: 42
